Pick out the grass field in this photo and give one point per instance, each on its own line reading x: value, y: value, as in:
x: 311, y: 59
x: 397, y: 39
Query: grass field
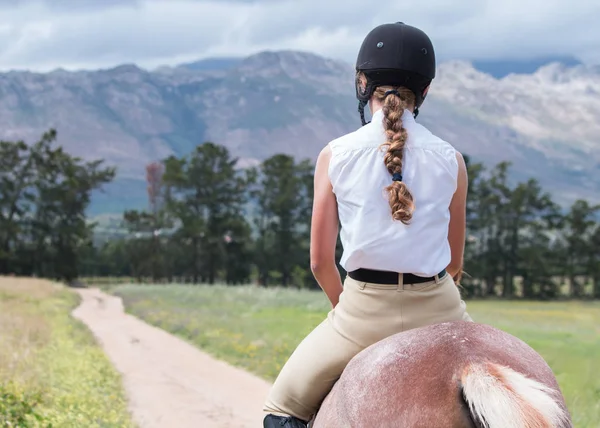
x: 258, y: 328
x: 52, y: 372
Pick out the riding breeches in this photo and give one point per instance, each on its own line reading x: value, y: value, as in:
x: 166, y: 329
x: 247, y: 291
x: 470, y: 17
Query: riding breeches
x: 366, y: 313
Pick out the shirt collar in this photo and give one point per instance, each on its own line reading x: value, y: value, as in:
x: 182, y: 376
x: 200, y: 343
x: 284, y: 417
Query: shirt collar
x: 407, y: 117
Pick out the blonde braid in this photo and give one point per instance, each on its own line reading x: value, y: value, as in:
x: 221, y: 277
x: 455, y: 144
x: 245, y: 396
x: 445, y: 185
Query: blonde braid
x: 395, y: 101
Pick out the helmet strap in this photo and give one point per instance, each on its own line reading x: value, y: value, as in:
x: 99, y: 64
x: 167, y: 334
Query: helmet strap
x: 361, y: 111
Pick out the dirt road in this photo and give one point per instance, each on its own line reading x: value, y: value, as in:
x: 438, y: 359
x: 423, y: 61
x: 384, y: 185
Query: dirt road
x: 170, y: 384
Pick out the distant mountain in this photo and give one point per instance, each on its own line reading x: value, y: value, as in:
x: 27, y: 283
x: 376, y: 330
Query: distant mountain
x: 547, y: 123
x: 498, y: 68
x: 502, y: 68
x: 213, y: 64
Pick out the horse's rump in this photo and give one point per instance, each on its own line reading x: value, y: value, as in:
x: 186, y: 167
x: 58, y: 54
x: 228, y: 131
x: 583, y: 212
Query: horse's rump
x: 457, y: 374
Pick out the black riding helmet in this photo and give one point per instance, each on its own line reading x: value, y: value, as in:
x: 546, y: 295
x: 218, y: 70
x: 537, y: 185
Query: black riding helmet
x: 398, y: 55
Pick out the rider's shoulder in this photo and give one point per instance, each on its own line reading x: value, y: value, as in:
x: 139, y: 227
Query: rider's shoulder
x: 422, y: 137
x: 352, y: 140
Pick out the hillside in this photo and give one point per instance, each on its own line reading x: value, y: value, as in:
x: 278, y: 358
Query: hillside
x: 547, y: 123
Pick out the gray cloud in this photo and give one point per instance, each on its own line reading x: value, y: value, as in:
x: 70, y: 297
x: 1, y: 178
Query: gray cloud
x: 69, y: 5
x: 42, y: 35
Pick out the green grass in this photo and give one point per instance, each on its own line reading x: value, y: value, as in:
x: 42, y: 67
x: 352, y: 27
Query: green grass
x: 52, y: 372
x: 257, y: 329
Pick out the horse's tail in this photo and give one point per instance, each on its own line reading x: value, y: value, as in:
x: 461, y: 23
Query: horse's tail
x: 499, y: 397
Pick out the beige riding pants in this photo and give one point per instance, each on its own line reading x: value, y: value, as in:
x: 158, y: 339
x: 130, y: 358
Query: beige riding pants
x: 365, y: 314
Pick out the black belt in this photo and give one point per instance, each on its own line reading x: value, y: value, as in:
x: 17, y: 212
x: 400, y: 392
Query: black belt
x: 385, y: 277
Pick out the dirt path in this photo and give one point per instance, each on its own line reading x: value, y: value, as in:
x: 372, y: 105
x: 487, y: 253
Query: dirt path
x: 170, y: 384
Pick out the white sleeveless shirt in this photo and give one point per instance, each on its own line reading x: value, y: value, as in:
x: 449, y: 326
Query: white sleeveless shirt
x: 371, y: 239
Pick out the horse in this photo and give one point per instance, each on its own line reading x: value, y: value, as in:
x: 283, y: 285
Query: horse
x: 458, y: 374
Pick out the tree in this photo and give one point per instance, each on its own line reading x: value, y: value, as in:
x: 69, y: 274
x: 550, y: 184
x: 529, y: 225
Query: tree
x: 44, y: 199
x: 204, y: 193
x: 594, y: 261
x: 487, y: 199
x: 238, y: 251
x: 63, y: 187
x: 532, y: 214
x: 472, y: 242
x: 578, y: 246
x: 283, y: 198
x: 17, y: 175
x: 305, y: 173
x: 143, y: 255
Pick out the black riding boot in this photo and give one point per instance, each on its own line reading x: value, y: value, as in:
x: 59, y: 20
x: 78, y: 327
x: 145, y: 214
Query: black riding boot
x: 272, y: 421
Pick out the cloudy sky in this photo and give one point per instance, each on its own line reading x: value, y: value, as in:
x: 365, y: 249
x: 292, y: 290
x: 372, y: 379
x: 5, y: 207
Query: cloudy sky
x: 73, y: 34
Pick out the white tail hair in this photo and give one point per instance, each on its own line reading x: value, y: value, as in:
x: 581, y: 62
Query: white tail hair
x: 499, y: 397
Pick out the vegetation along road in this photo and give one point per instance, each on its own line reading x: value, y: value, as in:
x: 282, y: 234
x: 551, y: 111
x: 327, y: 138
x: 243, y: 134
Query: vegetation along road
x: 52, y: 371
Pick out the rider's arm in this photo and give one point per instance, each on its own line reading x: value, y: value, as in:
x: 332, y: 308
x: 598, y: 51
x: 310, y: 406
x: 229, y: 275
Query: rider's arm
x: 324, y: 231
x: 457, y: 227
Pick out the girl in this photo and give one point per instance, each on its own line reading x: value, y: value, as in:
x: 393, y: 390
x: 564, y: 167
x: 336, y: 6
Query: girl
x: 399, y: 193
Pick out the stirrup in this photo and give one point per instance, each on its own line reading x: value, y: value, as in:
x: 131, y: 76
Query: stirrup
x: 274, y: 421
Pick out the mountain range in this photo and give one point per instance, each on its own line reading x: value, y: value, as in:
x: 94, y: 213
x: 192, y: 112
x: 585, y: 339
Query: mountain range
x: 547, y: 123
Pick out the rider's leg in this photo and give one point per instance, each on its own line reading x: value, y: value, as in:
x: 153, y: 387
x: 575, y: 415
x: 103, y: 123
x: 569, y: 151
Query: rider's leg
x: 310, y: 373
x: 365, y: 314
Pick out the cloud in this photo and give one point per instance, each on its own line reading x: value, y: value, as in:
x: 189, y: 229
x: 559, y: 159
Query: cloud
x: 66, y: 5
x: 42, y: 35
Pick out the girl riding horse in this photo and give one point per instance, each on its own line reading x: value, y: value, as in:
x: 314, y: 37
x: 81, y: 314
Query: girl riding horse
x: 399, y: 193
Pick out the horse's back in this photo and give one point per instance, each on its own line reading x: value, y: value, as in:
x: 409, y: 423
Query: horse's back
x: 414, y: 379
